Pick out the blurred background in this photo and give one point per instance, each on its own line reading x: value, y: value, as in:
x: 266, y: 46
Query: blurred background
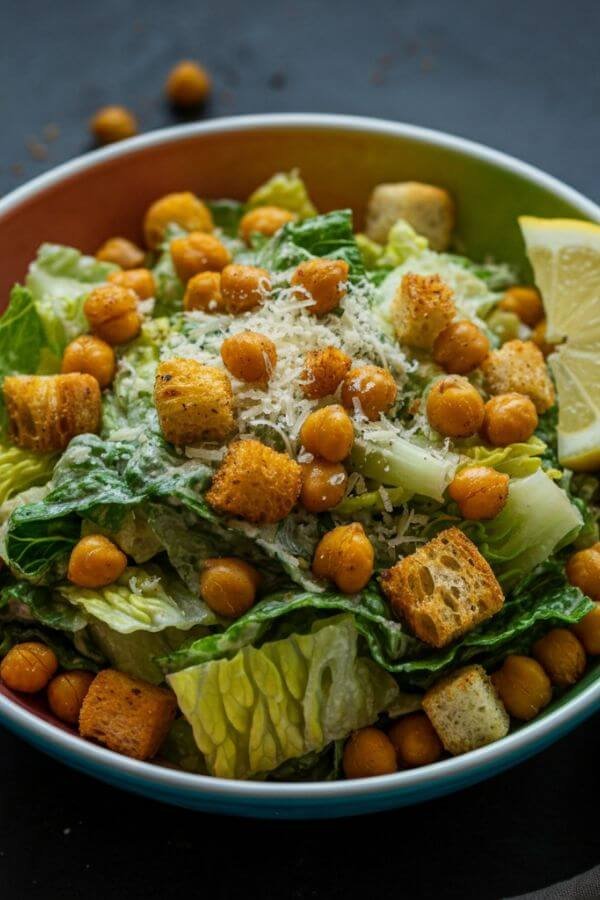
x: 522, y: 77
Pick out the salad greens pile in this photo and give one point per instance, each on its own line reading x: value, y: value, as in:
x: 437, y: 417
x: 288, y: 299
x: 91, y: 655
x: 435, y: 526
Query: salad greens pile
x: 273, y: 693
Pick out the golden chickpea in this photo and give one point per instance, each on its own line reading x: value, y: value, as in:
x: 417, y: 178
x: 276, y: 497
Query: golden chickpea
x: 140, y: 281
x: 345, y: 555
x: 28, y: 667
x: 367, y: 753
x: 524, y: 302
x: 121, y: 252
x: 415, y: 741
x: 95, y: 562
x: 323, y: 485
x: 188, y: 84
x: 112, y: 313
x: 583, y: 571
x: 183, y: 209
x: 244, y: 287
x: 523, y: 687
x: 371, y: 388
x: 479, y: 491
x: 324, y: 371
x: 264, y: 220
x: 228, y: 586
x: 113, y: 123
x: 323, y: 280
x: 328, y: 432
x: 203, y: 292
x: 454, y: 407
x: 249, y: 356
x: 198, y: 252
x: 460, y: 347
x: 509, y: 419
x: 561, y: 655
x: 66, y: 693
x: 538, y: 336
x: 588, y: 631
x: 92, y: 356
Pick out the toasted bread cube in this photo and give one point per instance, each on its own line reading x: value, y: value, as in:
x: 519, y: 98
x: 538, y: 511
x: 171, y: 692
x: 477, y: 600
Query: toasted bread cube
x: 422, y: 307
x: 519, y: 366
x: 429, y: 209
x: 443, y: 589
x: 466, y: 711
x: 126, y: 714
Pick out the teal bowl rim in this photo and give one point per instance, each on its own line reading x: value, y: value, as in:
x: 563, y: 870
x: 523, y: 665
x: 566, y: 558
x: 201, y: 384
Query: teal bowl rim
x: 209, y: 792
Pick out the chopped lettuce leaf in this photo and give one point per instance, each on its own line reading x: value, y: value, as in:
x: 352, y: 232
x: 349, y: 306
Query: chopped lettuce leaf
x: 516, y: 460
x: 23, y: 469
x: 134, y: 536
x: 179, y: 749
x: 251, y: 713
x: 67, y: 651
x: 27, y: 602
x: 169, y: 287
x: 287, y: 190
x: 400, y: 463
x: 371, y: 501
x: 227, y: 215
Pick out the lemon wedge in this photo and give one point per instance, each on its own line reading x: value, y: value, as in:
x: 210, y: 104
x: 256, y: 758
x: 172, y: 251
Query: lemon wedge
x: 565, y: 256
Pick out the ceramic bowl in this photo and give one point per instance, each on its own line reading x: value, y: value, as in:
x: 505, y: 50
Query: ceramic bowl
x: 341, y: 158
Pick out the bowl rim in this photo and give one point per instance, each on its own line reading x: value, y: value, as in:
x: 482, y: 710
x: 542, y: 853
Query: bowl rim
x: 494, y: 756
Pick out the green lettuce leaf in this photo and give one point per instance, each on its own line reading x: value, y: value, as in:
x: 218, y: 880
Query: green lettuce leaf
x: 179, y: 749
x: 287, y: 190
x: 251, y: 713
x: 169, y: 287
x: 67, y: 653
x: 371, y: 501
x: 516, y: 460
x: 23, y: 469
x: 404, y: 464
x: 227, y: 215
x: 27, y: 602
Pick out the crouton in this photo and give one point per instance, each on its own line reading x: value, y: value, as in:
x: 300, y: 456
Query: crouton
x: 126, y: 714
x: 429, y: 209
x: 323, y: 372
x: 422, y: 307
x: 255, y: 482
x: 519, y: 366
x: 443, y: 589
x: 466, y: 711
x: 194, y: 401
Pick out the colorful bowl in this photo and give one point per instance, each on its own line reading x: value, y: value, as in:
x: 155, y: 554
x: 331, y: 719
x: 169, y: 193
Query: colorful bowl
x: 104, y: 193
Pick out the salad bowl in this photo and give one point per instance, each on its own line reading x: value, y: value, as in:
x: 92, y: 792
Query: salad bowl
x: 341, y: 160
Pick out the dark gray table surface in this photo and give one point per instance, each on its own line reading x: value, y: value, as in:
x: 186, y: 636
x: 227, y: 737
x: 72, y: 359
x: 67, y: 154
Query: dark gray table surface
x: 521, y: 76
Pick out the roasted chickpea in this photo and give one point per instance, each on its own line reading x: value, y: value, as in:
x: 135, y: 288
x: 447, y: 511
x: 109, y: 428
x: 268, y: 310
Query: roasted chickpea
x: 228, y: 586
x: 203, y: 292
x: 91, y: 355
x: 588, y: 631
x: 509, y: 419
x: 415, y: 741
x: 140, y: 281
x: 198, y: 252
x: 95, y: 562
x: 324, y: 371
x: 323, y: 281
x: 561, y: 655
x: 244, y: 287
x: 345, y: 555
x: 479, y: 491
x: 368, y: 752
x: 112, y: 313
x: 454, y: 407
x: 249, y: 356
x: 523, y: 687
x: 188, y: 84
x: 28, y: 667
x: 184, y: 209
x: 370, y: 388
x: 583, y: 571
x: 66, y: 693
x: 328, y: 432
x: 264, y: 220
x: 538, y: 336
x: 524, y: 302
x: 121, y: 252
x: 460, y: 347
x: 113, y: 123
x: 323, y: 485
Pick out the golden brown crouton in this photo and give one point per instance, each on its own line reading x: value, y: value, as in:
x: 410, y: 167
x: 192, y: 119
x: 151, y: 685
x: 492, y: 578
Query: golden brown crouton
x: 466, y: 711
x: 429, y: 209
x: 194, y: 402
x: 323, y: 372
x: 46, y: 411
x: 519, y: 366
x: 256, y: 483
x: 443, y: 589
x: 422, y: 307
x: 126, y: 714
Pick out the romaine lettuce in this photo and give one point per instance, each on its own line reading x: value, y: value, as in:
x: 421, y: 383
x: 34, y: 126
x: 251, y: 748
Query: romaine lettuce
x: 287, y: 190
x: 400, y: 463
x: 516, y: 460
x: 22, y: 469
